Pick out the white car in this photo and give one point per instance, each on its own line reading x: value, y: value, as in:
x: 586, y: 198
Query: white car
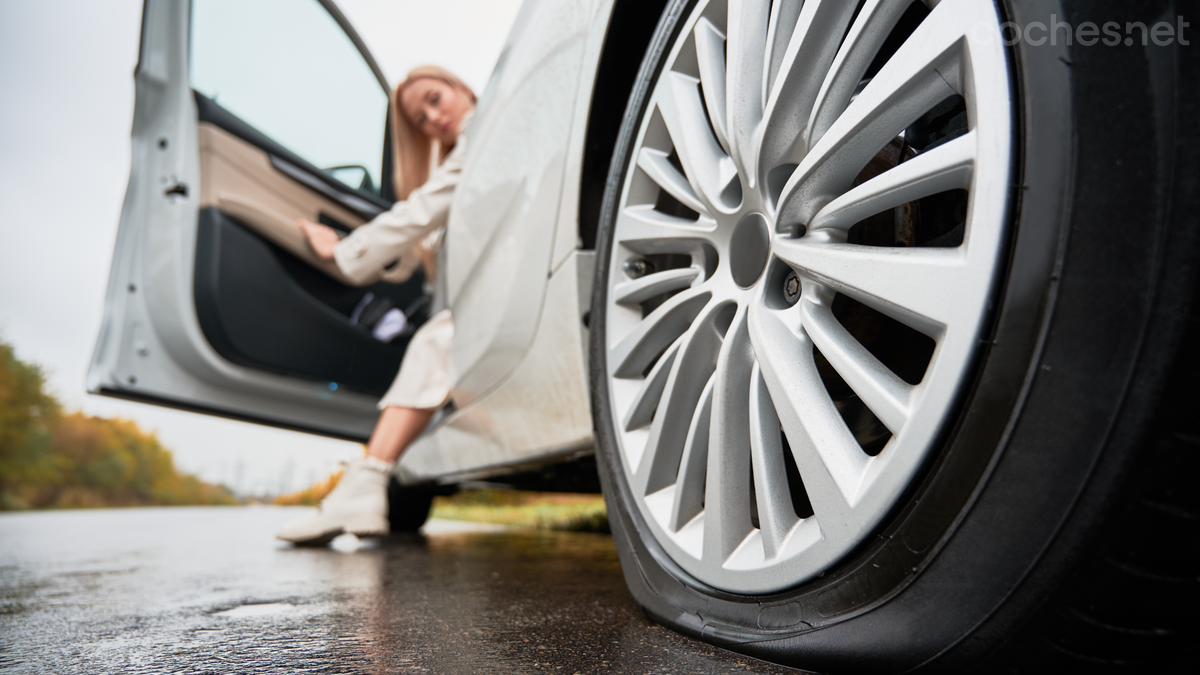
x: 876, y: 315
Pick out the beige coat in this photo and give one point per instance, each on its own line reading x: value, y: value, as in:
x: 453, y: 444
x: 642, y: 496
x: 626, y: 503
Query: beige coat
x: 400, y: 238
x: 396, y: 236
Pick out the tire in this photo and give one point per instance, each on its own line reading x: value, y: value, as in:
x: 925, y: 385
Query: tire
x: 408, y: 506
x: 1028, y: 505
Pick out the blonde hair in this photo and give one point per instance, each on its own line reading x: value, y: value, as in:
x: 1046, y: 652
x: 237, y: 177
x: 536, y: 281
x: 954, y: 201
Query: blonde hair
x: 413, y: 151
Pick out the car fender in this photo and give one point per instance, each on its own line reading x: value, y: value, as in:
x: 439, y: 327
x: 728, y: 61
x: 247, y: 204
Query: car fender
x: 514, y: 278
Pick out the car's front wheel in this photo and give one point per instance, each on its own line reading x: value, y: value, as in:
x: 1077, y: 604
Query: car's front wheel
x: 861, y: 394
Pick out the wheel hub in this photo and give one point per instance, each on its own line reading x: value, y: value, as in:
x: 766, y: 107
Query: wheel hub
x: 749, y: 249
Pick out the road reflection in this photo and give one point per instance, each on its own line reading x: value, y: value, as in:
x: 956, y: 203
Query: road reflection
x: 198, y: 590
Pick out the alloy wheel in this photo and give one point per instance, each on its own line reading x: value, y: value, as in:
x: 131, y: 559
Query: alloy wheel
x: 807, y: 239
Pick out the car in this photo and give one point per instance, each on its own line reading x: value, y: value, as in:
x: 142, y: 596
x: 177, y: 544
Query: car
x: 874, y: 321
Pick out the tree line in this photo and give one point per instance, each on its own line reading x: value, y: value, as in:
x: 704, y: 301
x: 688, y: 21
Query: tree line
x: 55, y: 459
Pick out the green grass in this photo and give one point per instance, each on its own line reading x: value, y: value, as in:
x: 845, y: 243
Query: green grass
x: 515, y: 508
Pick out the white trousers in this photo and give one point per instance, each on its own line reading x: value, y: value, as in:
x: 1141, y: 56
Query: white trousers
x: 426, y: 372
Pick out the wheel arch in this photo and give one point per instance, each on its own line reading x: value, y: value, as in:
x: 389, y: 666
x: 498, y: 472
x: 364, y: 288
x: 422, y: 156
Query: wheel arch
x: 630, y: 29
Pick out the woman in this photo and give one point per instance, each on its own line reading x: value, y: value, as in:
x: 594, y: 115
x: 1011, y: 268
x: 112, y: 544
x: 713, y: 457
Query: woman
x: 430, y: 110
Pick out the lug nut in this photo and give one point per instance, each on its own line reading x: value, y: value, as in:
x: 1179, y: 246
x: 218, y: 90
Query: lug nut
x: 791, y: 288
x: 638, y: 267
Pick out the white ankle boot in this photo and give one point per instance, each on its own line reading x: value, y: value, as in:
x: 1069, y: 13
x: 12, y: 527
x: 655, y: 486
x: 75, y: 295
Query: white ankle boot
x: 357, y: 505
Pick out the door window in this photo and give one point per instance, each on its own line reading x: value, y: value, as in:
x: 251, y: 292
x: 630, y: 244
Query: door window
x: 286, y: 68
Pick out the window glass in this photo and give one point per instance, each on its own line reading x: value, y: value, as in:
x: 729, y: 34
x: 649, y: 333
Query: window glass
x: 286, y: 68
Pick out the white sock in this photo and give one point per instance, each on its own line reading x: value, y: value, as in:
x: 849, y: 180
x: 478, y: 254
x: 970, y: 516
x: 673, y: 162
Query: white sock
x: 377, y: 464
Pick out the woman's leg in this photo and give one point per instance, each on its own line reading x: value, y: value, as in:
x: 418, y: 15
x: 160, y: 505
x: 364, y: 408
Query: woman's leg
x: 395, y: 429
x: 359, y: 503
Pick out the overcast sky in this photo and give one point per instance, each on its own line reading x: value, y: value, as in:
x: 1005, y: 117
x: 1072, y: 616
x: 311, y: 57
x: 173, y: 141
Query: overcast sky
x: 66, y: 73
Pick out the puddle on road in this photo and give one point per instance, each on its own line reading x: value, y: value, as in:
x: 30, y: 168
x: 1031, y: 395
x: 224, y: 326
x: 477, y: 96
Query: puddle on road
x: 261, y: 609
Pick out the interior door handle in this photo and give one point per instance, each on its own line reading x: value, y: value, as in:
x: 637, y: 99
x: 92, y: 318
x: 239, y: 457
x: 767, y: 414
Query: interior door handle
x: 279, y: 229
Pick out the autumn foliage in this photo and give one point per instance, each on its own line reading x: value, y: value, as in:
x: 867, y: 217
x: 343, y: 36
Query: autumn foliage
x: 310, y: 496
x: 51, y: 459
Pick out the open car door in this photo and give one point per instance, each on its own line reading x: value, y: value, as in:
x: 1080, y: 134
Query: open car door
x: 249, y: 116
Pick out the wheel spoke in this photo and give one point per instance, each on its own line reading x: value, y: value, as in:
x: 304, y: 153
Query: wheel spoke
x: 659, y: 169
x: 693, y: 366
x: 776, y: 517
x: 709, y: 170
x: 748, y: 21
x: 946, y: 167
x: 633, y: 354
x: 830, y: 461
x: 874, y: 23
x: 646, y: 231
x: 689, y: 487
x: 818, y: 32
x: 924, y: 71
x: 884, y: 393
x: 919, y: 287
x: 710, y: 54
x: 647, y: 398
x: 727, y: 489
x: 784, y: 16
x: 630, y: 293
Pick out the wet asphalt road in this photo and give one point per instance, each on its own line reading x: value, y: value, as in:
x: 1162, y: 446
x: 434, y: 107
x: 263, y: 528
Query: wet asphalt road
x: 208, y: 590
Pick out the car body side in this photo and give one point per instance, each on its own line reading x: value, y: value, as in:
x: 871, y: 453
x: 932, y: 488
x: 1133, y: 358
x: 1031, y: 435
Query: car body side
x: 515, y: 278
x: 541, y: 145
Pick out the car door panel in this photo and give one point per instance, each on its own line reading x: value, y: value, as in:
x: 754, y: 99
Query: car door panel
x: 215, y: 301
x: 239, y: 275
x: 259, y: 300
x: 239, y: 180
x: 364, y: 204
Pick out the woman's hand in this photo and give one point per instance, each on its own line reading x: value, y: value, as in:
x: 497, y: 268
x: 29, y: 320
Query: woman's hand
x: 322, y: 239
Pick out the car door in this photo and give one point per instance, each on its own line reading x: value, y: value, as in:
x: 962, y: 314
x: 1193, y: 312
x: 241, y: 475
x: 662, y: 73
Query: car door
x: 247, y: 117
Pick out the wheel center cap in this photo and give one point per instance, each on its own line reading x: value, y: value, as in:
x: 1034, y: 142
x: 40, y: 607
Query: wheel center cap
x: 749, y: 249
